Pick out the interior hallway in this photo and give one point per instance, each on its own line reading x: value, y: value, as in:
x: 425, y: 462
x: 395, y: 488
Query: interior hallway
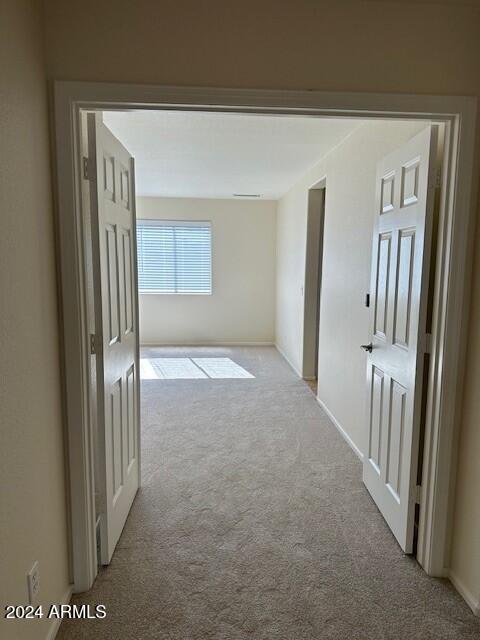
x: 253, y: 522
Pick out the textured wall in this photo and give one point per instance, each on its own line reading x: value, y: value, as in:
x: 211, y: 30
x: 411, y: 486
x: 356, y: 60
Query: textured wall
x: 350, y: 171
x: 33, y: 519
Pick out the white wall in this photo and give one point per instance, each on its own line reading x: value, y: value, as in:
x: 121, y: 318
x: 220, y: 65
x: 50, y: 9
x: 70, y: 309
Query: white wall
x: 241, y: 308
x: 32, y: 485
x: 344, y: 320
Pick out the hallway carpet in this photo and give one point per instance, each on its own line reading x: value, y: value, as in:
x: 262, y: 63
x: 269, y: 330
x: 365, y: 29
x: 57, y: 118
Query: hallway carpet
x: 253, y: 522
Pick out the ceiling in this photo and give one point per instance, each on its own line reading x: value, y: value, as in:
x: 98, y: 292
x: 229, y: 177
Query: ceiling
x: 217, y: 155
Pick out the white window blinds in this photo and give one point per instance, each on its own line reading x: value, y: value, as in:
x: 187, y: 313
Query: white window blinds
x: 174, y: 257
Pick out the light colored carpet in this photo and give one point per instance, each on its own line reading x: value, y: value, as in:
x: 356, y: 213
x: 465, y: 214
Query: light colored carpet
x: 252, y: 522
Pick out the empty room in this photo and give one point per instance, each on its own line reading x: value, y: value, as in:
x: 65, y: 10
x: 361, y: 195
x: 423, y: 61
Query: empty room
x: 239, y: 345
x: 254, y: 259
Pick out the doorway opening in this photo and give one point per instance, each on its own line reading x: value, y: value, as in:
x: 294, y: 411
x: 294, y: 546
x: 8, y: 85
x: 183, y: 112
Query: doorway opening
x: 178, y: 242
x: 313, y: 282
x: 70, y: 101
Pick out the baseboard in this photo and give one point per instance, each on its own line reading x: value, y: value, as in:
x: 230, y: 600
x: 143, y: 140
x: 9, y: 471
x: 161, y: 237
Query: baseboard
x: 55, y: 625
x: 341, y: 430
x: 337, y: 425
x: 206, y: 343
x: 285, y: 357
x: 466, y: 594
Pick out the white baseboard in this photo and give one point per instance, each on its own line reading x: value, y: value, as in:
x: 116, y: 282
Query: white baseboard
x: 337, y: 425
x: 55, y: 625
x: 341, y: 430
x: 206, y: 343
x: 285, y: 357
x: 470, y: 599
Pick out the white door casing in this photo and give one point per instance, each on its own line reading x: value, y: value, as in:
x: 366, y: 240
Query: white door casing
x: 405, y: 184
x: 452, y: 279
x: 116, y: 337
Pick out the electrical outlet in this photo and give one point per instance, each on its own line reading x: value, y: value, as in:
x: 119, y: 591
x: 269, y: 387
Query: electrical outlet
x: 33, y: 581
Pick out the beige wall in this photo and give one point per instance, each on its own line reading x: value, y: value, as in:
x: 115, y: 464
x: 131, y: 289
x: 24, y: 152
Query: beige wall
x: 466, y: 533
x: 33, y: 518
x: 349, y: 45
x: 344, y: 320
x: 353, y: 45
x: 242, y: 305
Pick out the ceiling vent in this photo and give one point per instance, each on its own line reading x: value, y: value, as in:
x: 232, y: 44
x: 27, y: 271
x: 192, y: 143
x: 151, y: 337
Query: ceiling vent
x: 246, y: 195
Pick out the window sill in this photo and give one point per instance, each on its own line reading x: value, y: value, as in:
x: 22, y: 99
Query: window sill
x: 165, y: 293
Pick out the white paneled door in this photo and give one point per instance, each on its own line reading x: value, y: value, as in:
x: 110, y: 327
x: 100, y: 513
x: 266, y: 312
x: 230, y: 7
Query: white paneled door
x: 112, y: 200
x: 399, y: 284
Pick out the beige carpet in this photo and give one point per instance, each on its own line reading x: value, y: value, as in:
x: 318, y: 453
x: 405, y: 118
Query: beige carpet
x: 253, y: 523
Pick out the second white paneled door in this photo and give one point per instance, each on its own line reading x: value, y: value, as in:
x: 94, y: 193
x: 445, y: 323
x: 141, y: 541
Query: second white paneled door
x: 116, y: 319
x: 399, y: 284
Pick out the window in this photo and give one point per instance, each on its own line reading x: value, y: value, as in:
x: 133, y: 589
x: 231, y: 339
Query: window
x: 174, y: 257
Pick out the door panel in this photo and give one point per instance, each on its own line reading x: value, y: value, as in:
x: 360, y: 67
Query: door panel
x: 127, y: 281
x: 400, y: 267
x: 112, y: 301
x: 116, y: 320
x: 396, y: 424
x: 381, y: 294
x: 403, y: 287
x: 387, y: 192
x: 115, y: 435
x: 131, y: 413
x: 376, y: 418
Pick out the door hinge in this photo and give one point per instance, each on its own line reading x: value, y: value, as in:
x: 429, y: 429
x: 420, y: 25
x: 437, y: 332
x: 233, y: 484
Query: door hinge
x: 87, y: 168
x: 418, y: 494
x: 98, y: 541
x: 93, y: 344
x: 428, y: 343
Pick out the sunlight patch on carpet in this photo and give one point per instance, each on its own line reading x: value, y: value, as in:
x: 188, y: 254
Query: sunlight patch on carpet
x: 191, y: 369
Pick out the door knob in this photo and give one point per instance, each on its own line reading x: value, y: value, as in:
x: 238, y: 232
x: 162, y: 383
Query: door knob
x: 368, y: 347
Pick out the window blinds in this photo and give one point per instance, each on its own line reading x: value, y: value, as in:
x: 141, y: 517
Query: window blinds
x: 174, y: 257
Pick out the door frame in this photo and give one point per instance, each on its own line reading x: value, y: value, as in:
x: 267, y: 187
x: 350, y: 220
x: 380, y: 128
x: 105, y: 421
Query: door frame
x: 452, y: 280
x: 313, y: 279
